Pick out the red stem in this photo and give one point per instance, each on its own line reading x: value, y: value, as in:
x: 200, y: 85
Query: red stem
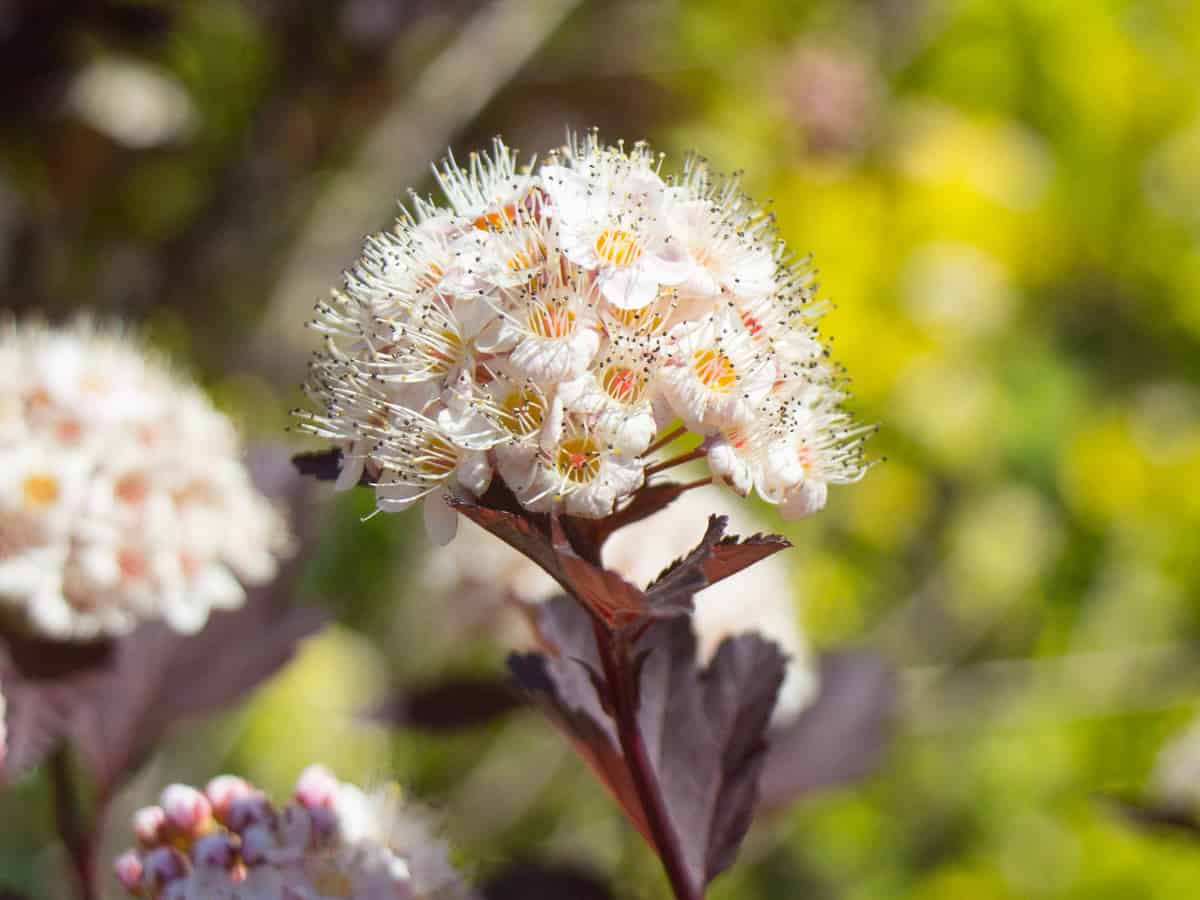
x: 676, y: 461
x: 621, y: 678
x: 666, y: 439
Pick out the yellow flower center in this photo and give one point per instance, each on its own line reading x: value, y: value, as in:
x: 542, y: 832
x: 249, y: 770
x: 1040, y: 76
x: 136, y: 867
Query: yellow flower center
x: 622, y: 384
x: 617, y: 247
x: 714, y: 369
x: 522, y: 412
x: 39, y: 490
x: 551, y: 320
x: 578, y: 460
x: 439, y: 457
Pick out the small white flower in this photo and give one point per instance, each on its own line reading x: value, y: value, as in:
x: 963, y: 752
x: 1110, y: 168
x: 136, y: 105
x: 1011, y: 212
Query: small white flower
x: 584, y: 472
x: 122, y: 495
x: 715, y: 375
x: 609, y: 210
x: 813, y: 445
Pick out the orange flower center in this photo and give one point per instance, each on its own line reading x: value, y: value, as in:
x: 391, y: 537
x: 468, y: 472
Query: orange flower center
x: 551, y: 320
x: 714, y: 369
x: 617, y: 247
x: 39, y: 490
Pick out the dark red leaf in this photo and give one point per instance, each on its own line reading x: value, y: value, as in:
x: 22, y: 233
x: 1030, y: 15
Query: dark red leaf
x: 451, y: 705
x: 702, y: 729
x: 536, y: 881
x: 543, y: 539
x: 589, y: 535
x: 115, y: 708
x: 323, y: 465
x: 714, y: 558
x: 840, y: 738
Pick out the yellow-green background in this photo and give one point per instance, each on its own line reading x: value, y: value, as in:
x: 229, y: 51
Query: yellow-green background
x: 1003, y: 200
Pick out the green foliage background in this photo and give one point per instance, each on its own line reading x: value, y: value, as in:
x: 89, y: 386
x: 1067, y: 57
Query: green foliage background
x: 1003, y: 199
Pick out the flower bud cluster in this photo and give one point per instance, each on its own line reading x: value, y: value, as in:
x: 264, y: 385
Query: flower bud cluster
x: 230, y: 841
x: 548, y: 321
x: 123, y: 497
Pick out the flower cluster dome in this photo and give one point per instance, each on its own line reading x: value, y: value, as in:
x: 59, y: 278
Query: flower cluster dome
x: 332, y: 840
x: 123, y: 497
x: 548, y: 321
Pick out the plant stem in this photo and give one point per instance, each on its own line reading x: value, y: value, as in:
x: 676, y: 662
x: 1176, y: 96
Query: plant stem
x: 676, y: 461
x: 75, y: 832
x: 621, y: 677
x: 666, y: 439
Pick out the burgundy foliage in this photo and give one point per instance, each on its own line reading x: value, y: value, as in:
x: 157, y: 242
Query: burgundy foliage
x: 114, y: 700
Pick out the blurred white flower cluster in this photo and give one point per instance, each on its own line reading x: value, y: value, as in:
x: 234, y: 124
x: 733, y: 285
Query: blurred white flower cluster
x: 549, y: 320
x: 123, y: 497
x: 637, y: 553
x: 229, y: 842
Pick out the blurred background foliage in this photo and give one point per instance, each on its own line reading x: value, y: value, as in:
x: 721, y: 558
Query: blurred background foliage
x: 1003, y: 198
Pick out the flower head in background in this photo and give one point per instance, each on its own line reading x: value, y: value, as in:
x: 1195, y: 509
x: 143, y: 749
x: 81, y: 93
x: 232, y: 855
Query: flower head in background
x: 331, y: 840
x: 549, y: 321
x: 637, y: 553
x: 123, y: 496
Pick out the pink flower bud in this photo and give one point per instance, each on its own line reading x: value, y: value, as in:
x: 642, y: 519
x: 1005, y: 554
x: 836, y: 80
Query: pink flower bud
x: 149, y: 824
x: 128, y: 869
x: 162, y: 866
x: 187, y: 810
x: 257, y: 844
x: 214, y: 851
x: 252, y: 809
x: 317, y: 786
x: 223, y: 790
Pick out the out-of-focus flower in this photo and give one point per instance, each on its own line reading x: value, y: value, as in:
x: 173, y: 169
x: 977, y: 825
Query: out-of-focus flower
x: 133, y: 103
x: 331, y: 841
x: 123, y: 497
x: 834, y: 94
x: 759, y: 599
x: 548, y: 321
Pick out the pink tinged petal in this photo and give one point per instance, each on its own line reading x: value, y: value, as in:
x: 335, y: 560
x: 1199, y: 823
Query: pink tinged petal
x: 804, y: 500
x: 628, y: 287
x: 188, y: 811
x: 128, y: 869
x: 223, y: 790
x: 441, y: 520
x: 149, y: 825
x: 316, y: 786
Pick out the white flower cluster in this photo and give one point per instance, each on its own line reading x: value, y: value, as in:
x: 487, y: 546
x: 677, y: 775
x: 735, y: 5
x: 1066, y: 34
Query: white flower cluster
x: 229, y: 842
x: 549, y: 320
x: 638, y: 553
x: 123, y: 497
